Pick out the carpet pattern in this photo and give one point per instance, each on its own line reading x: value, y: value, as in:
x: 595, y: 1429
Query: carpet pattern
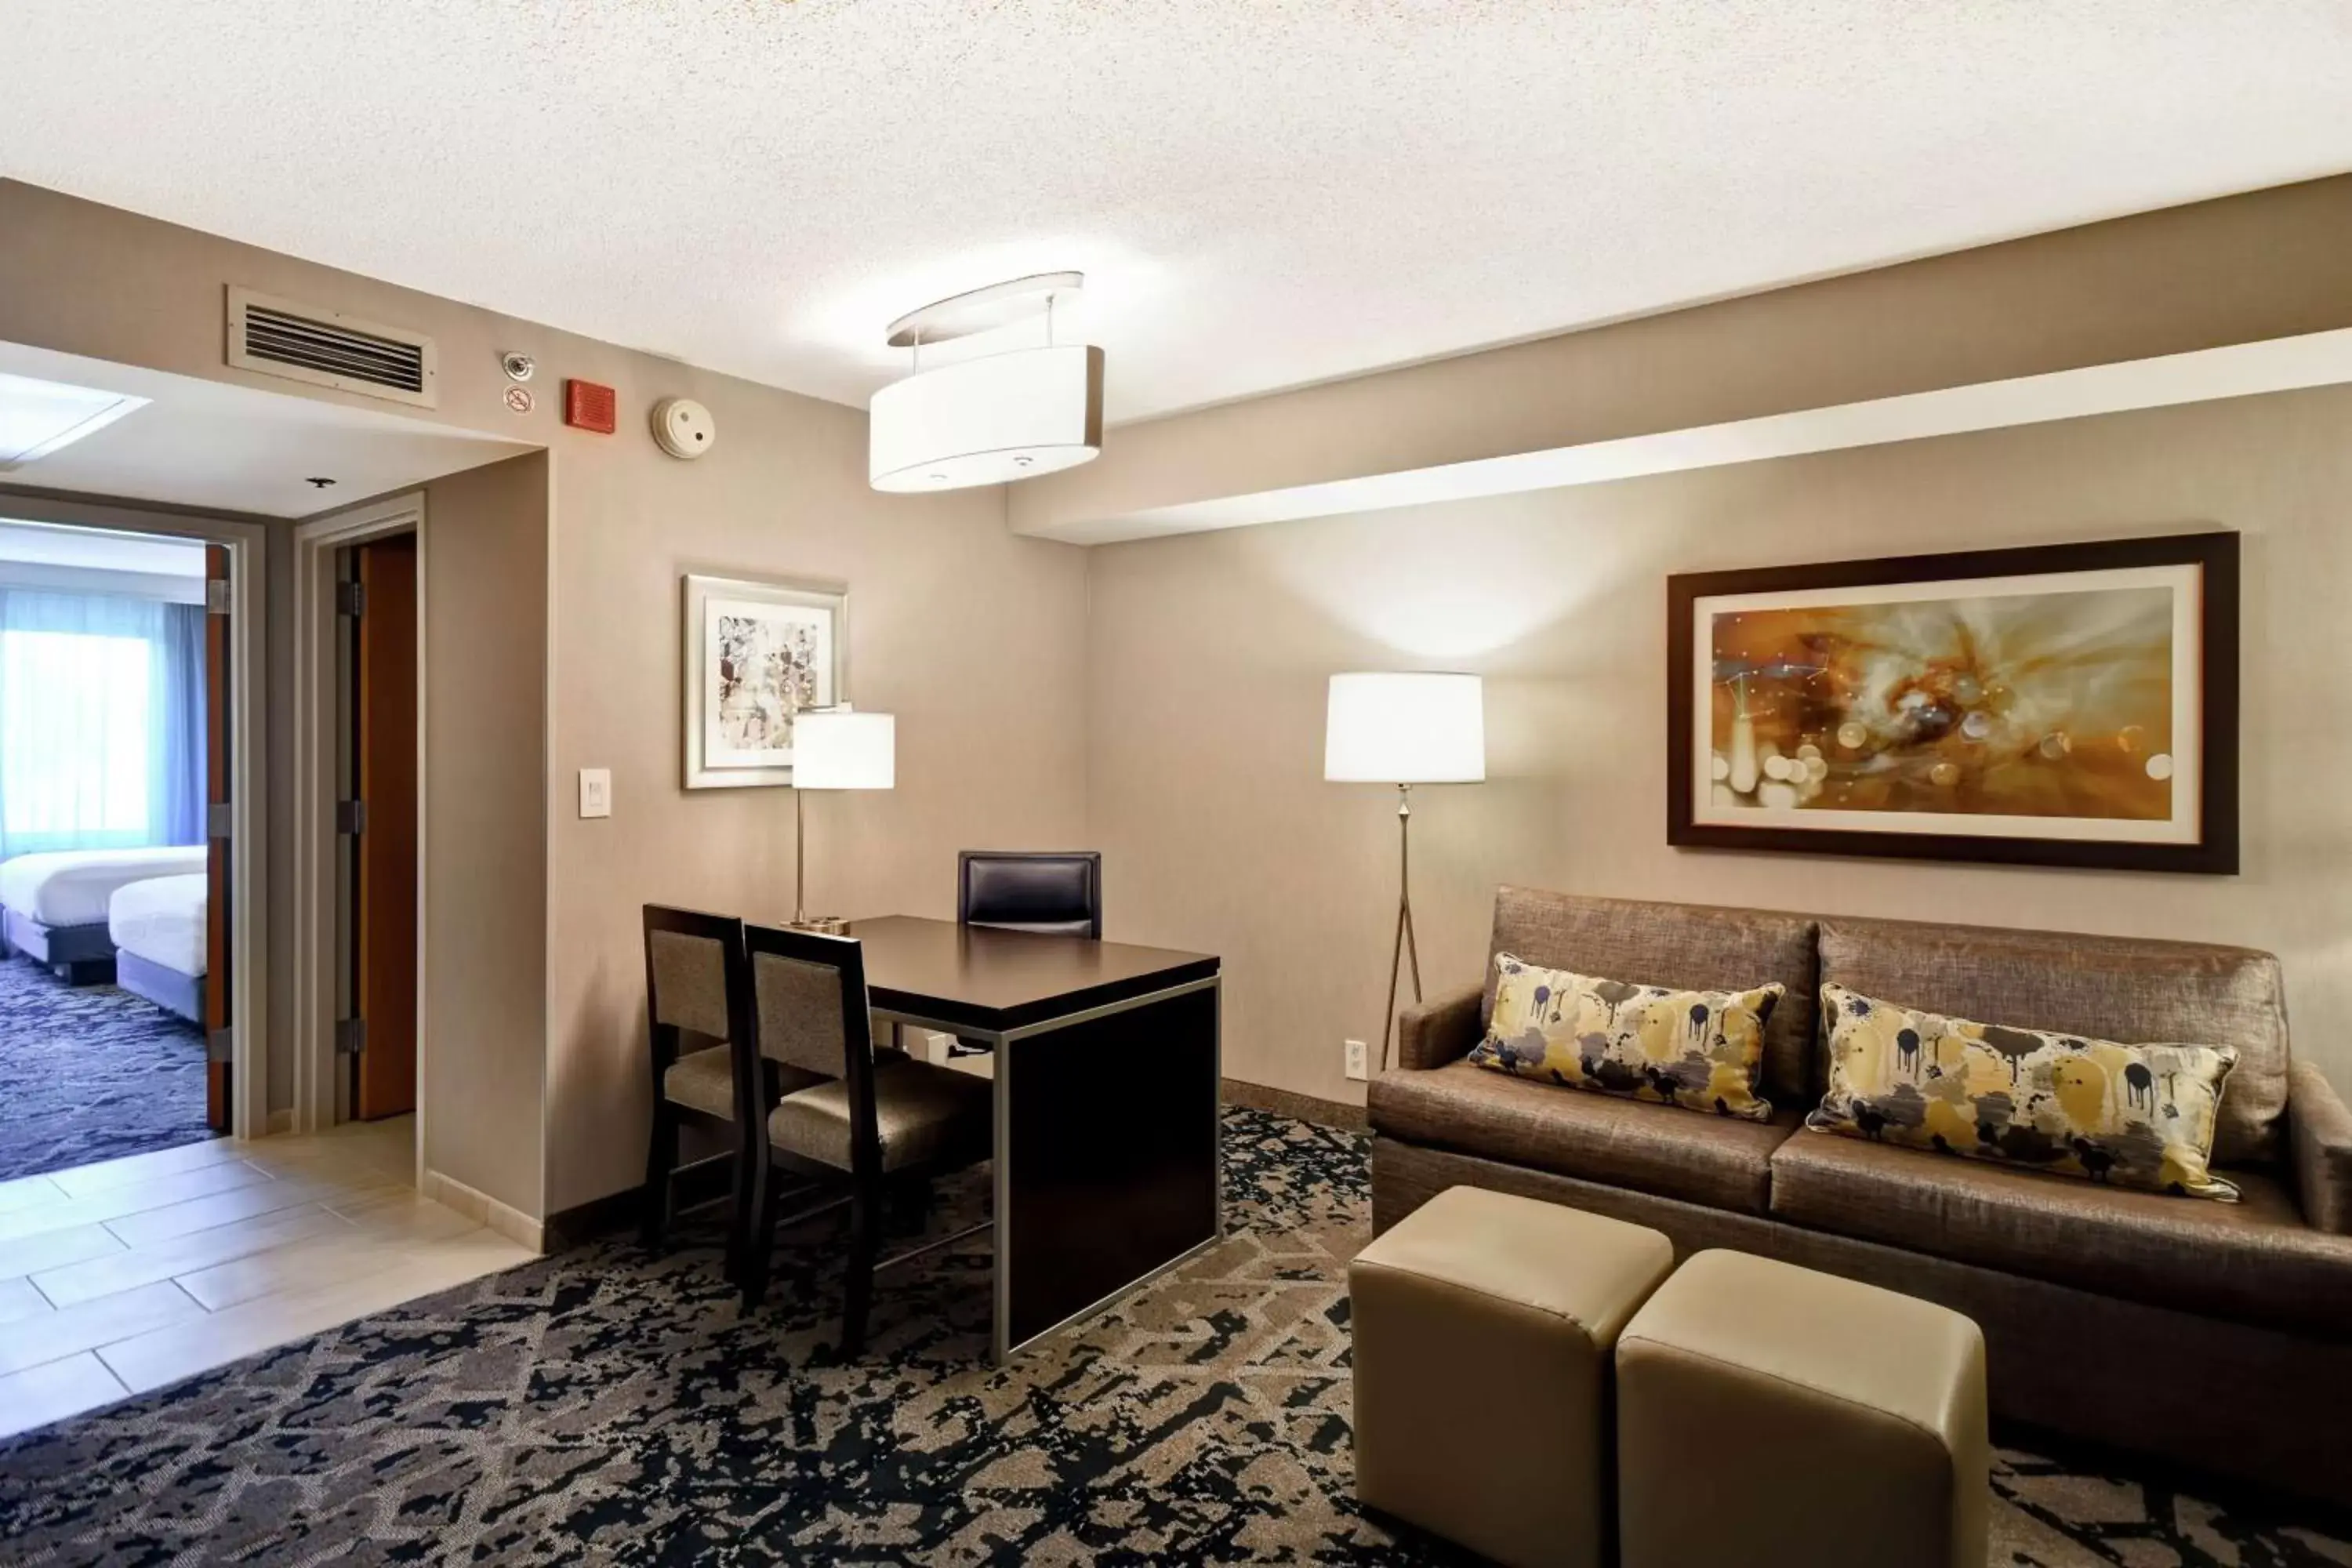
x: 607, y: 1406
x: 90, y: 1073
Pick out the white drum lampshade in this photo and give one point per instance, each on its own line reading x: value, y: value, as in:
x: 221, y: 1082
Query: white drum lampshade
x: 837, y: 749
x: 987, y: 421
x: 1398, y: 728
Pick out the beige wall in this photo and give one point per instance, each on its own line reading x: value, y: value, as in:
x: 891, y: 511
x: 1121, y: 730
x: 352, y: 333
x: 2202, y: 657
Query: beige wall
x: 1175, y: 720
x: 973, y: 636
x: 484, y: 1023
x: 1207, y: 657
x: 2267, y: 263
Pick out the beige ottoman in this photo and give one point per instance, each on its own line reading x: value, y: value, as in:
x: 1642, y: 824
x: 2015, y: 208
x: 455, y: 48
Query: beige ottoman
x: 1483, y: 1330
x: 1771, y: 1417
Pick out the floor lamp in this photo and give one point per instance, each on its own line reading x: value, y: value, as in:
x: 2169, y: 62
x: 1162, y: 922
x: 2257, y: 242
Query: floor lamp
x: 1404, y: 729
x: 834, y: 748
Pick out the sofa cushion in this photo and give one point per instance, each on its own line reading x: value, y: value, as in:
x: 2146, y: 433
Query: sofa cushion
x: 2253, y: 1260
x: 2103, y: 987
x: 1712, y: 1160
x: 1689, y: 947
x: 1699, y: 1050
x: 2136, y: 1116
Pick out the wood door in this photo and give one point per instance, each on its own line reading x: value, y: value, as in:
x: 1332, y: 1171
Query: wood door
x: 217, y: 846
x: 384, y: 895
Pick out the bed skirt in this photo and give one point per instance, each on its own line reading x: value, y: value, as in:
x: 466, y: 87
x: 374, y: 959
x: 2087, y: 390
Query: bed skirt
x: 88, y: 949
x: 166, y: 987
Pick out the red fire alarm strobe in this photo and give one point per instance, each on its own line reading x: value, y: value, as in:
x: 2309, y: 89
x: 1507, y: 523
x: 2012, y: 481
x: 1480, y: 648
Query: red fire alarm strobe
x: 588, y: 406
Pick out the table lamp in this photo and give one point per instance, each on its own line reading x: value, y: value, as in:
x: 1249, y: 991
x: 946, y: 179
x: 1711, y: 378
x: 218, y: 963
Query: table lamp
x: 1404, y: 729
x: 834, y: 748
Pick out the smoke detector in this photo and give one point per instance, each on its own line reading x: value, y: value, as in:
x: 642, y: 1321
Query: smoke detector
x: 683, y: 427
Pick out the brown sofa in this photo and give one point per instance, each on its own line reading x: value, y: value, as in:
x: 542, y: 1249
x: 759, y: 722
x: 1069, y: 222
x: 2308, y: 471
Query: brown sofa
x: 2217, y: 1336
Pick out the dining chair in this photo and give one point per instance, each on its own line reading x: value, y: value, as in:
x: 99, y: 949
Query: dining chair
x: 1056, y: 892
x: 696, y: 1004
x: 868, y: 1123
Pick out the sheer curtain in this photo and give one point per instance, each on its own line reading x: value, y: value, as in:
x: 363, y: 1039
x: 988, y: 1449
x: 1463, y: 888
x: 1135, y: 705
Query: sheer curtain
x: 101, y: 721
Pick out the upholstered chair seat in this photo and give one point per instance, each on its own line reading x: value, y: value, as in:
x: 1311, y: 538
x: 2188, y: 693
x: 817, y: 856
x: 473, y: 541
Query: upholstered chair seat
x: 703, y: 1080
x: 923, y: 1114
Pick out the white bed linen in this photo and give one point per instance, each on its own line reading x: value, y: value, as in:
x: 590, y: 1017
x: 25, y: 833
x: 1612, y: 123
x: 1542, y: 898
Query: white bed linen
x: 72, y: 887
x: 163, y: 920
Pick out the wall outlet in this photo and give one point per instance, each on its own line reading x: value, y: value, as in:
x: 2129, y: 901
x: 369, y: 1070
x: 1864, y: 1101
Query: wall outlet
x: 595, y: 791
x: 1359, y: 1060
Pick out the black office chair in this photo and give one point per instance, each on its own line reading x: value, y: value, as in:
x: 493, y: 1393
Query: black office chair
x: 1052, y: 891
x: 882, y: 1121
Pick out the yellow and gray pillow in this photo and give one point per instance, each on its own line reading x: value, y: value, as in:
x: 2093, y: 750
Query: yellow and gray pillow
x: 2136, y: 1116
x: 1702, y: 1050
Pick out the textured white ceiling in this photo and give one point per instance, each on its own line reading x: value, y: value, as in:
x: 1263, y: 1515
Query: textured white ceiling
x: 1263, y: 191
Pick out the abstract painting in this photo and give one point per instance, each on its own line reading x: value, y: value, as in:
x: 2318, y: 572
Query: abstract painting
x: 756, y: 654
x: 2071, y: 705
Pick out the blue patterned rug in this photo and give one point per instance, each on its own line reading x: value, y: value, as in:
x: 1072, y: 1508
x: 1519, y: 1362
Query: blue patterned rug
x: 91, y: 1073
x: 605, y: 1407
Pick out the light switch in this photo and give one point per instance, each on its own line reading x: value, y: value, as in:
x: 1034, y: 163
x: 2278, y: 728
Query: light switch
x: 595, y: 791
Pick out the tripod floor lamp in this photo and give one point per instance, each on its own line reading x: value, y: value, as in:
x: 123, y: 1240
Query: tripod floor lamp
x: 1404, y: 729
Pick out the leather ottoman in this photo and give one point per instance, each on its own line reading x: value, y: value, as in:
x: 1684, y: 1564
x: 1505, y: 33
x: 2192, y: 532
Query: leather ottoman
x: 1768, y: 1416
x: 1484, y: 1328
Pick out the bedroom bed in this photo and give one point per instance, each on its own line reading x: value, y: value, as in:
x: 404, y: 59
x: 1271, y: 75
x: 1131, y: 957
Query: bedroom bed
x: 54, y: 906
x: 158, y: 928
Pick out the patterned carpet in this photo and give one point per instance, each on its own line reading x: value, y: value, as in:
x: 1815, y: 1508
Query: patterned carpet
x: 91, y: 1073
x: 603, y: 1406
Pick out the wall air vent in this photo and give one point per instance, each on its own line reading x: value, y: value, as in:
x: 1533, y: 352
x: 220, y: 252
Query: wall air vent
x: 327, y: 348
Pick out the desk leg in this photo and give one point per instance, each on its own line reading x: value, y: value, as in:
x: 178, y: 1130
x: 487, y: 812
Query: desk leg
x: 1107, y: 1157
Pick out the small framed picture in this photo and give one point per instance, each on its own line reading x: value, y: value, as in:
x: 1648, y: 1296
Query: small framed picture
x: 755, y: 653
x: 2062, y: 705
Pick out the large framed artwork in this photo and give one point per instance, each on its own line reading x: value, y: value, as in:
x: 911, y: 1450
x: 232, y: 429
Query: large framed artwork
x: 755, y: 653
x: 2066, y: 705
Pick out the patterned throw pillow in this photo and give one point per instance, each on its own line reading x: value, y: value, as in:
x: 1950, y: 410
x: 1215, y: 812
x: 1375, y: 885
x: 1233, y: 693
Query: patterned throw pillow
x: 2138, y: 1116
x: 1703, y: 1050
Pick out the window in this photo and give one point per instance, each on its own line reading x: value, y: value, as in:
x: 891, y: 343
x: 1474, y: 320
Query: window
x: 74, y: 764
x: 101, y: 721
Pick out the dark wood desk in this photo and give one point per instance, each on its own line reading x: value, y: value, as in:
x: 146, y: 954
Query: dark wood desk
x: 1107, y: 1060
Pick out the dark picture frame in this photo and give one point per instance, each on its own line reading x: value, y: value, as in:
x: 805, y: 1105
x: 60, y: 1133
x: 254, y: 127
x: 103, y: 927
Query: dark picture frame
x: 1694, y: 821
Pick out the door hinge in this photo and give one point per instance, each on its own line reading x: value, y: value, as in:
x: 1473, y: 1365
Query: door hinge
x: 216, y: 597
x: 351, y: 1036
x: 350, y: 817
x: 351, y: 598
x: 220, y: 1046
x: 220, y: 819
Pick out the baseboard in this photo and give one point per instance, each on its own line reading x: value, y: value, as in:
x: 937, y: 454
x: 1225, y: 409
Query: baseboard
x: 479, y: 1206
x: 280, y: 1121
x: 1300, y: 1107
x: 703, y: 1181
x: 593, y: 1220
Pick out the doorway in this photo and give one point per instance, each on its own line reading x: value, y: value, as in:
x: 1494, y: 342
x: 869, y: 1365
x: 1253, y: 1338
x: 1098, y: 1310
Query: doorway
x: 130, y: 643
x: 376, y: 824
x: 359, y: 954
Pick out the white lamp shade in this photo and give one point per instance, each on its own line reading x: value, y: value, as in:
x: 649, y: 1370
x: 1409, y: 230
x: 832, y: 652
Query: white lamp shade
x: 836, y: 749
x: 1401, y: 728
x: 987, y: 421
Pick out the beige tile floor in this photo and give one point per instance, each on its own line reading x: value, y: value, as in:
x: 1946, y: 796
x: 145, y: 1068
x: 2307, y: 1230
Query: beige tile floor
x: 123, y: 1276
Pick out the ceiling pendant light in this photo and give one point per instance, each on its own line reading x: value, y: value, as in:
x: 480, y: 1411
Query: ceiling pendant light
x: 986, y: 421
